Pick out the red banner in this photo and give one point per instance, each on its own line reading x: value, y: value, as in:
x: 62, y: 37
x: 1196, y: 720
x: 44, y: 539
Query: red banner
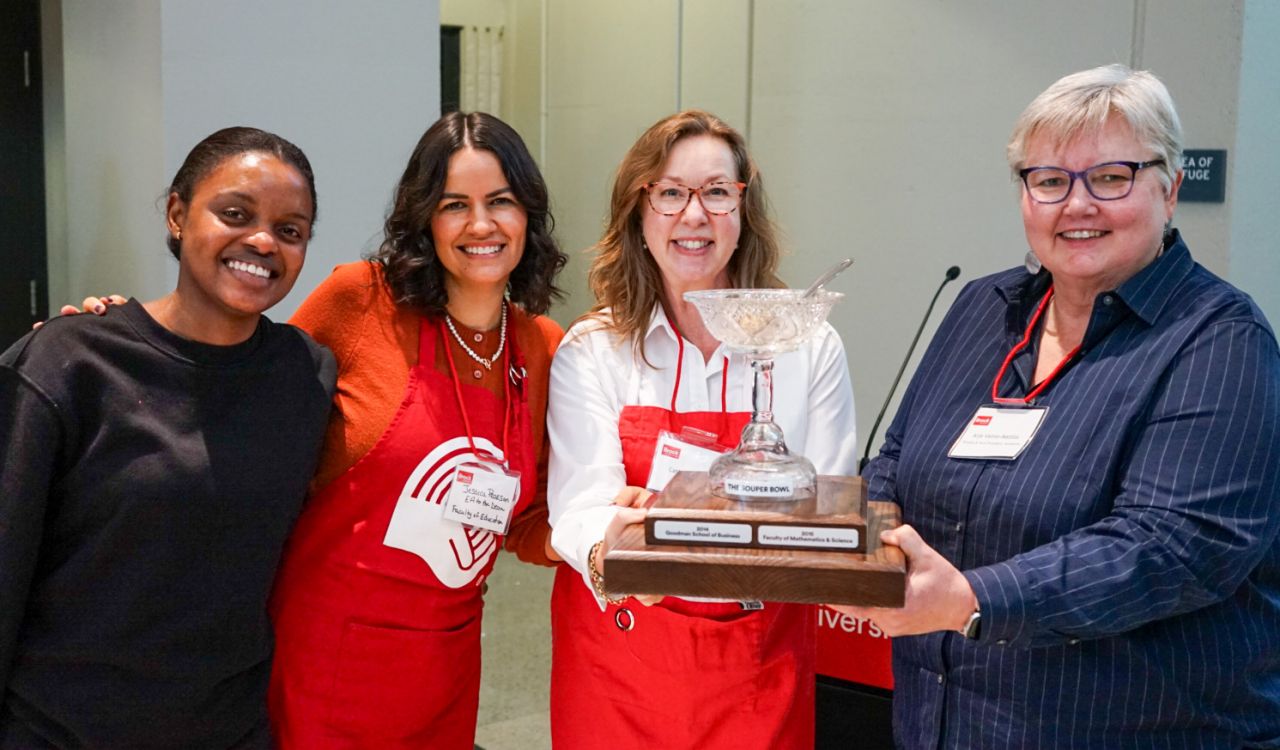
x: 853, y: 649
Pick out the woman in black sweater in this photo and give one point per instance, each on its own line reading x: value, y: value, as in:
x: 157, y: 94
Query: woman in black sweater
x: 151, y: 465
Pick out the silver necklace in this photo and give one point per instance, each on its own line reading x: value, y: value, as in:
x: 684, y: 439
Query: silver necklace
x: 502, y: 339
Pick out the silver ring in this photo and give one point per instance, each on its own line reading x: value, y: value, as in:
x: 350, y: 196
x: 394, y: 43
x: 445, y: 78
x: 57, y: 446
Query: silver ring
x: 624, y: 623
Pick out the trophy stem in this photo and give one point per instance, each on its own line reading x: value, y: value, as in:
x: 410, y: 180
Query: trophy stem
x: 761, y: 467
x: 762, y: 390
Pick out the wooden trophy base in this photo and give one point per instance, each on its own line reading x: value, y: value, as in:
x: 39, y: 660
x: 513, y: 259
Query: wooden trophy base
x: 686, y: 513
x: 875, y: 578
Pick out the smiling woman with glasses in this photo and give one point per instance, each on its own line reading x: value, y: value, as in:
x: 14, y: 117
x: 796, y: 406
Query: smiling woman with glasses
x: 1088, y: 458
x: 638, y: 379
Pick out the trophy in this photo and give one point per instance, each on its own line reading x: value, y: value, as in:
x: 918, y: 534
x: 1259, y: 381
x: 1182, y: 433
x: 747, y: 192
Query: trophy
x: 762, y: 323
x: 760, y: 524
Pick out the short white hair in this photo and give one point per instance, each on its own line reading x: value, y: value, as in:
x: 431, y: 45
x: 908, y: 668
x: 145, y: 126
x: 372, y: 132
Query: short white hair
x: 1082, y: 102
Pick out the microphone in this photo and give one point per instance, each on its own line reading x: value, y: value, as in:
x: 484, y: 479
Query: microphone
x: 952, y: 274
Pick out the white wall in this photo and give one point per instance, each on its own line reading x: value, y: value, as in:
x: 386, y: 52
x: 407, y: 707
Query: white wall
x: 1255, y: 162
x: 1196, y: 52
x: 55, y: 151
x: 354, y: 85
x: 880, y: 125
x: 112, y: 129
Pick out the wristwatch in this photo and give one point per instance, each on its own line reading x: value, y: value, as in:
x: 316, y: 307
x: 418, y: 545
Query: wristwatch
x: 973, y: 626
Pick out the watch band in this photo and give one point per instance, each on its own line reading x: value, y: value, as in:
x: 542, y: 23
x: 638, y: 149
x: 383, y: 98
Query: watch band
x: 973, y: 627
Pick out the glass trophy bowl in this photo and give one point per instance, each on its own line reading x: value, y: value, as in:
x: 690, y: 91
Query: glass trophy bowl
x: 762, y: 323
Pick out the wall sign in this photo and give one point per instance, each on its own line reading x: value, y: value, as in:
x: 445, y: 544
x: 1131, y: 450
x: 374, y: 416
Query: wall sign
x: 1204, y: 176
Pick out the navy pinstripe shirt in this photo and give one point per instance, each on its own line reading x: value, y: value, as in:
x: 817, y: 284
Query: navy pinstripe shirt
x: 1126, y: 564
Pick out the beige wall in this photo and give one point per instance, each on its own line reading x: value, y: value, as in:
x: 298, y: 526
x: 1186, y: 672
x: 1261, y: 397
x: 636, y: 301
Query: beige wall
x: 880, y: 128
x: 609, y: 76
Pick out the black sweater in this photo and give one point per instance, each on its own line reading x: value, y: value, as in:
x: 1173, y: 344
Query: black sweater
x: 147, y: 484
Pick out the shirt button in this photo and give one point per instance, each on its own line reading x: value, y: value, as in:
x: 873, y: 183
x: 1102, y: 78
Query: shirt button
x: 1073, y: 642
x: 1107, y: 300
x: 959, y: 527
x: 478, y: 337
x: 1002, y: 642
x: 477, y: 374
x: 941, y: 679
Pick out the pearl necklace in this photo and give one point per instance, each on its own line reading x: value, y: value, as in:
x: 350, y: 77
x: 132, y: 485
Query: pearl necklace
x: 502, y: 339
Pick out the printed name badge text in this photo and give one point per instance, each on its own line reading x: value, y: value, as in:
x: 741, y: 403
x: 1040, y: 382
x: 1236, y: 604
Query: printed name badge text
x: 996, y: 432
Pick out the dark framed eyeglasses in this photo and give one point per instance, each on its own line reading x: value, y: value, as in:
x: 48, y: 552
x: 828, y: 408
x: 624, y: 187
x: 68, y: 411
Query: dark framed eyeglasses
x: 1110, y: 181
x: 670, y: 198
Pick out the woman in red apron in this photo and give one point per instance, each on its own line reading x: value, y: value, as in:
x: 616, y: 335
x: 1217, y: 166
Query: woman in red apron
x: 687, y: 213
x: 433, y: 451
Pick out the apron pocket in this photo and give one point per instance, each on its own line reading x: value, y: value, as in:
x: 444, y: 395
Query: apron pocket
x: 685, y: 668
x: 674, y: 642
x: 398, y: 684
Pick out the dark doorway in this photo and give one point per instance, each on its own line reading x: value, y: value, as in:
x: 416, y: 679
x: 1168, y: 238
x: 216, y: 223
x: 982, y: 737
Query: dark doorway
x: 23, y: 271
x: 450, y: 69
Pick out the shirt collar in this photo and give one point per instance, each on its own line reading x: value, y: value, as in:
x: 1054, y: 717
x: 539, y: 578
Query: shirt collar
x: 1152, y: 289
x: 658, y: 322
x: 1148, y: 293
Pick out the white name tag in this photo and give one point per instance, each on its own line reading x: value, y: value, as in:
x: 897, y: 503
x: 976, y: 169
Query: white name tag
x: 482, y: 496
x: 998, y: 432
x: 808, y: 536
x: 671, y: 455
x: 780, y: 488
x: 702, y: 531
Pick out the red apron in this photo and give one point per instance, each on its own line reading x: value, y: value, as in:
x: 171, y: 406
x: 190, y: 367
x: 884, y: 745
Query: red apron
x: 687, y: 674
x: 378, y: 646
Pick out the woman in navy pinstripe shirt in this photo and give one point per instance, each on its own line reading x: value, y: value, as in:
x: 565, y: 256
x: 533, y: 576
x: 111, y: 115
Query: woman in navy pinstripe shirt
x: 1088, y: 459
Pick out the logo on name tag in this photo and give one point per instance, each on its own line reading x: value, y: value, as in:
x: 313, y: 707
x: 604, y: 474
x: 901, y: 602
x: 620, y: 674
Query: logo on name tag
x: 982, y: 420
x: 670, y: 451
x: 465, y: 477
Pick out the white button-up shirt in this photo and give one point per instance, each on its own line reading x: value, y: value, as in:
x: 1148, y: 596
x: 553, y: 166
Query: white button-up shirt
x: 595, y: 374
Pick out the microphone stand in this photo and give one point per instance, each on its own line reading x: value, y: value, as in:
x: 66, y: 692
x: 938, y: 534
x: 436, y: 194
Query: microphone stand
x: 952, y: 274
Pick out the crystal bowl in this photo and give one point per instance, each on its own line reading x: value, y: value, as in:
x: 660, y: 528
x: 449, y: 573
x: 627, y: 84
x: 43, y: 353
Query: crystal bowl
x: 762, y: 321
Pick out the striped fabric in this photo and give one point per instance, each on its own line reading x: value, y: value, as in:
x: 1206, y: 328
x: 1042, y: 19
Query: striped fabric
x: 1126, y: 564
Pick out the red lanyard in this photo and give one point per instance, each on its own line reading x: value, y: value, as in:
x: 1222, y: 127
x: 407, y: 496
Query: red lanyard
x: 1026, y: 338
x: 457, y: 391
x: 675, y: 389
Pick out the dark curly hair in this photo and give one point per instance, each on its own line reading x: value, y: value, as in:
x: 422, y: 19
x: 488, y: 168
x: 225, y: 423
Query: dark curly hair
x: 411, y: 269
x: 219, y: 146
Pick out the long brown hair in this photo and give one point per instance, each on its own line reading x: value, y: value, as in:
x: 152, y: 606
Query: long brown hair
x: 623, y: 276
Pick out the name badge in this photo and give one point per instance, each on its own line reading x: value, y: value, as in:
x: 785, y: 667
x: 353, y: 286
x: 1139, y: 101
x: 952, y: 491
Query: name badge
x: 998, y: 432
x: 482, y: 496
x: 675, y: 453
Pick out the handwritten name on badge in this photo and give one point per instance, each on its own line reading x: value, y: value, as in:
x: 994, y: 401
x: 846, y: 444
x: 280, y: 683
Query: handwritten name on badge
x: 482, y: 498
